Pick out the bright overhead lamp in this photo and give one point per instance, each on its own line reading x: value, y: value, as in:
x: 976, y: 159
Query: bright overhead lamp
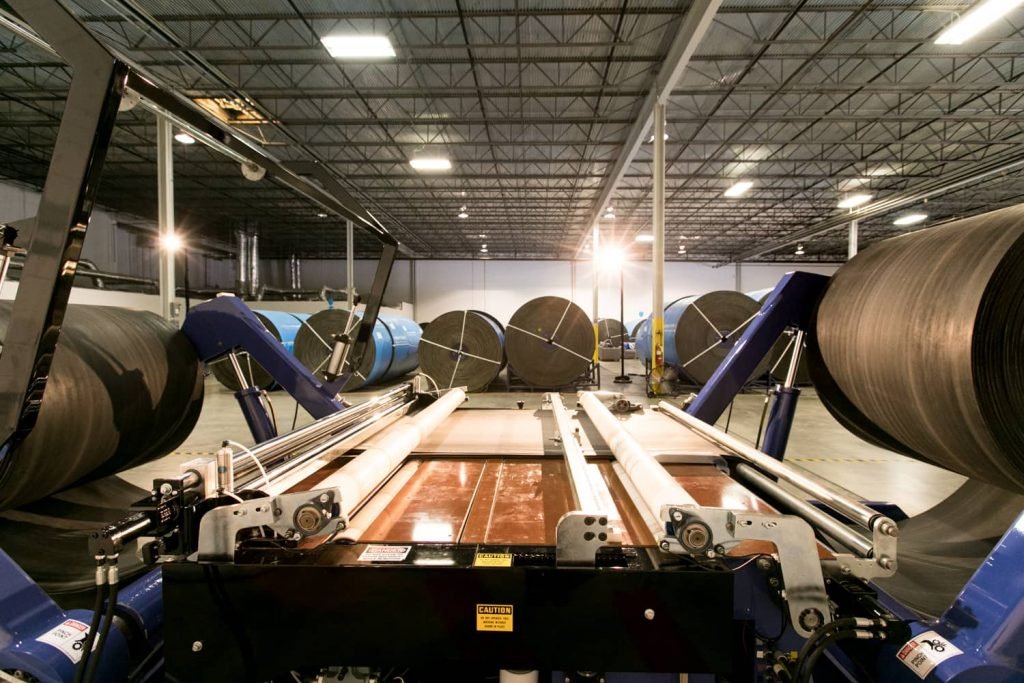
x: 799, y: 250
x: 739, y: 188
x: 431, y: 163
x: 610, y: 258
x: 855, y: 200
x: 651, y: 139
x: 682, y: 249
x: 482, y: 236
x: 981, y: 16
x: 185, y: 139
x: 910, y: 219
x: 463, y: 214
x: 358, y: 47
x: 171, y: 242
x: 321, y: 214
x: 644, y: 237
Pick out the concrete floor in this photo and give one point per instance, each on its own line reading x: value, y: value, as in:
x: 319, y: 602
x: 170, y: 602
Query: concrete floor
x: 817, y: 443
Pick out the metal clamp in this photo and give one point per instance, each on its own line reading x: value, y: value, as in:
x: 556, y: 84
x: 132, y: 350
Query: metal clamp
x: 794, y: 542
x: 579, y: 535
x: 295, y: 516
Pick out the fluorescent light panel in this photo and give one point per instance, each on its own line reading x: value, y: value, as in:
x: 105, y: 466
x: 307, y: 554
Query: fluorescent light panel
x: 739, y: 188
x: 910, y: 219
x: 356, y: 47
x: 431, y: 164
x: 855, y: 200
x: 644, y: 237
x: 185, y: 139
x: 983, y: 15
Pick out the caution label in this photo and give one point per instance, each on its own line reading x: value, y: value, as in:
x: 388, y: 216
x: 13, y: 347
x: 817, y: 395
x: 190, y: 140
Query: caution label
x: 492, y: 560
x: 494, y: 618
x: 385, y: 553
x: 925, y: 652
x: 68, y: 637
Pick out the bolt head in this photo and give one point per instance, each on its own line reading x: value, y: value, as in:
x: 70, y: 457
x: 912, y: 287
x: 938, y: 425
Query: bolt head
x: 197, y: 646
x: 649, y: 614
x: 324, y: 498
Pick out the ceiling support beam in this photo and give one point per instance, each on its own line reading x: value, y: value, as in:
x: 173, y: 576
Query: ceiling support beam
x: 691, y: 31
x: 994, y: 167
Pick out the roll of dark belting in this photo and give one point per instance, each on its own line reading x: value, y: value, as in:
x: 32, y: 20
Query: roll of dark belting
x: 284, y: 326
x: 463, y: 348
x: 125, y: 387
x: 919, y: 346
x: 549, y: 342
x: 700, y: 331
x: 391, y: 352
x: 610, y: 330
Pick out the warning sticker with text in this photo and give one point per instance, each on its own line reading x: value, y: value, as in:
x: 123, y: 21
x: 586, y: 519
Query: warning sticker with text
x: 925, y: 652
x: 68, y: 637
x: 494, y: 618
x: 385, y: 553
x: 492, y: 560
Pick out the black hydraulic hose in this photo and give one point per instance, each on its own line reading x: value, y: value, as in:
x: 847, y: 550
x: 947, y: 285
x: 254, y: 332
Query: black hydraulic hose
x: 108, y: 620
x: 94, y: 622
x: 809, y: 658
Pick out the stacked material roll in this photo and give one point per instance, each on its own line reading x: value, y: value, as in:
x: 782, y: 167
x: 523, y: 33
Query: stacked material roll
x: 125, y: 387
x: 700, y: 331
x: 610, y: 330
x: 919, y: 346
x: 634, y: 327
x: 463, y: 348
x: 391, y: 352
x: 284, y: 327
x: 549, y: 342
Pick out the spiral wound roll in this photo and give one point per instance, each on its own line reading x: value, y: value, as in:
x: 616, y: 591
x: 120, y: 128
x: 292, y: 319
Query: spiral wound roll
x: 549, y: 342
x: 124, y: 388
x: 463, y: 348
x: 390, y: 353
x: 610, y: 330
x: 700, y: 331
x: 919, y: 346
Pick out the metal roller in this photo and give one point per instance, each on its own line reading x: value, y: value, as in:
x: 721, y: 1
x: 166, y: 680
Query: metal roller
x: 700, y: 331
x: 125, y: 388
x: 391, y: 353
x: 919, y: 346
x: 610, y: 329
x: 463, y: 348
x: 549, y: 342
x: 284, y: 327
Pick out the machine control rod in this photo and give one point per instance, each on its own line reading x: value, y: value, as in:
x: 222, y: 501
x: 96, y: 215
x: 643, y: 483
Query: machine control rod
x: 583, y: 491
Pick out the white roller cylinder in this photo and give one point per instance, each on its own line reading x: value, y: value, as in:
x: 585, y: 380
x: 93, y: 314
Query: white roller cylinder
x: 506, y: 676
x: 368, y: 470
x: 652, y: 481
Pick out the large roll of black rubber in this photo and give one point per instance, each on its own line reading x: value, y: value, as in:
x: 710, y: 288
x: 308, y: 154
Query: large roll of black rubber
x: 463, y: 348
x: 610, y: 330
x: 125, y: 387
x: 919, y: 346
x: 549, y: 342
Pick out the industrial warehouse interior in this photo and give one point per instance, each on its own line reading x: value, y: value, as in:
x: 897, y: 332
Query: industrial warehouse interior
x: 520, y: 341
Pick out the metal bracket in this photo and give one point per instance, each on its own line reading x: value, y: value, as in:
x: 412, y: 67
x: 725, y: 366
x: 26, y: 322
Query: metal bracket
x: 795, y: 544
x: 578, y: 537
x: 295, y: 516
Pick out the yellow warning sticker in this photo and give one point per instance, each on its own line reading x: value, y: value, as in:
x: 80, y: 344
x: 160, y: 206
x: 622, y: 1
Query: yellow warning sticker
x: 493, y: 560
x: 494, y: 618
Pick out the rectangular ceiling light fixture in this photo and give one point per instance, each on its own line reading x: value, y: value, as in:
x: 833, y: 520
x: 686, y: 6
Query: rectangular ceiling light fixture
x: 981, y: 16
x: 358, y: 47
x: 431, y: 164
x: 739, y: 189
x: 855, y: 200
x: 910, y: 219
x: 645, y: 237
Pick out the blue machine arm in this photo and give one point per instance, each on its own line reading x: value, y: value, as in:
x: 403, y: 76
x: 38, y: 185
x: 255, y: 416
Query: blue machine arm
x: 225, y: 324
x: 791, y: 304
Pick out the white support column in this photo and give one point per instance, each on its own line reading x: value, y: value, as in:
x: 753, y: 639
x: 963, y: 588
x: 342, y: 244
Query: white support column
x: 851, y: 249
x: 350, y: 265
x: 595, y: 246
x: 165, y: 213
x: 658, y: 253
x: 739, y: 278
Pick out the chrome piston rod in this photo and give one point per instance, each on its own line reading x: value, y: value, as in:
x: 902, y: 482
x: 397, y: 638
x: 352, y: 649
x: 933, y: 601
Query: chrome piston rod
x: 281, y: 449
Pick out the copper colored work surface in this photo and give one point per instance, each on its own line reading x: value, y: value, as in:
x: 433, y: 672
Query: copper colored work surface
x: 519, y: 502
